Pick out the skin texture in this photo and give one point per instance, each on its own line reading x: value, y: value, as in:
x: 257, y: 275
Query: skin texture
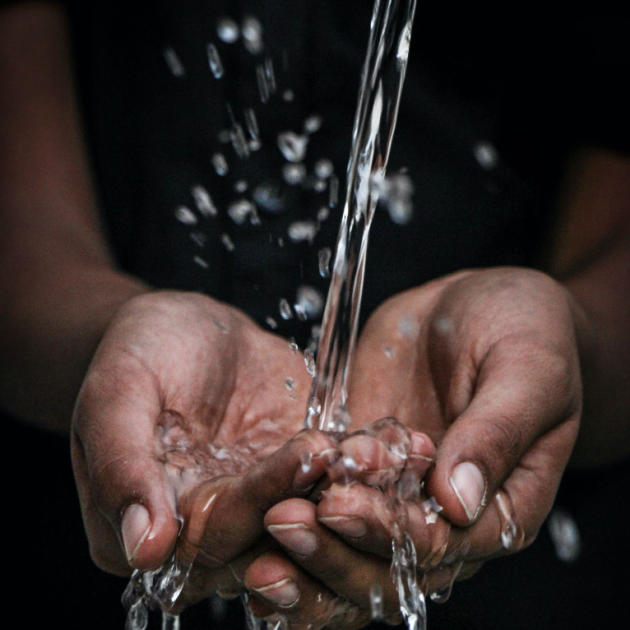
x: 491, y: 368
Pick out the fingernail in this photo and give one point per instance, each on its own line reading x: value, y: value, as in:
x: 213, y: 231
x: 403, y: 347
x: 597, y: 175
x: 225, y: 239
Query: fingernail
x: 284, y: 593
x: 297, y: 537
x: 351, y: 527
x: 470, y: 488
x: 136, y: 525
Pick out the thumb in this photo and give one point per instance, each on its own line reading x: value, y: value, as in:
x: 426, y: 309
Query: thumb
x: 124, y: 490
x: 522, y: 392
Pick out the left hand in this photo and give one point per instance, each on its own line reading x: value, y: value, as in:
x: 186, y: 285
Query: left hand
x: 486, y: 364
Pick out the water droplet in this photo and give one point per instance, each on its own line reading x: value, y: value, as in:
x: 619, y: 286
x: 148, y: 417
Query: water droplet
x: 255, y: 145
x: 292, y: 146
x: 309, y: 302
x: 309, y: 362
x: 402, y: 55
x: 300, y: 231
x: 486, y: 155
x: 512, y: 536
x: 228, y: 30
x: 214, y: 61
x: 227, y: 242
x: 204, y: 202
x: 319, y: 185
x: 220, y: 163
x: 239, y: 143
x: 252, y: 35
x: 285, y: 309
x: 263, y: 85
x: 294, y: 174
x: 293, y: 345
x: 272, y: 323
x: 199, y: 238
x: 323, y: 214
x: 270, y: 75
x: 174, y: 63
x: 267, y: 196
x: 288, y: 96
x: 306, y: 459
x: 225, y: 136
x: 333, y: 192
x: 241, y: 186
x: 252, y: 124
x: 324, y: 168
x: 389, y: 352
x: 185, y: 215
x: 289, y: 383
x: 241, y: 210
x: 376, y: 602
x: 324, y: 262
x: 313, y: 124
x: 565, y: 535
x: 395, y: 193
x: 137, y: 617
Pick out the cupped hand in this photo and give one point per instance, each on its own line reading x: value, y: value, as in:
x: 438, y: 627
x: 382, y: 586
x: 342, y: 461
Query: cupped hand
x: 189, y: 414
x: 486, y: 364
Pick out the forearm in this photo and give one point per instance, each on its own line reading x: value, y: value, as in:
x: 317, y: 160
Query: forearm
x: 53, y: 318
x: 591, y: 258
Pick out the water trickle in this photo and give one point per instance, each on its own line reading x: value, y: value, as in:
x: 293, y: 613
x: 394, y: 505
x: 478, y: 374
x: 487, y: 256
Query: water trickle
x: 174, y: 63
x: 204, y: 202
x: 292, y: 146
x: 214, y: 61
x: 270, y: 75
x: 379, y: 99
x: 186, y: 216
x: 228, y: 30
x: 220, y: 163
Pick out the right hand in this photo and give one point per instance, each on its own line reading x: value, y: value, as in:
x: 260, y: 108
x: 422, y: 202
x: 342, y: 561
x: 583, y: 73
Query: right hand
x: 185, y: 413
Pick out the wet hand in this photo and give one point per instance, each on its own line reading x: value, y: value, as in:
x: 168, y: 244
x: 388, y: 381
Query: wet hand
x: 184, y: 415
x: 485, y: 363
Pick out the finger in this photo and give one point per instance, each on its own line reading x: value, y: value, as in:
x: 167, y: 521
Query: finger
x: 279, y: 586
x: 522, y: 392
x: 105, y: 549
x: 224, y: 517
x: 366, y: 520
x: 344, y: 570
x: 114, y: 425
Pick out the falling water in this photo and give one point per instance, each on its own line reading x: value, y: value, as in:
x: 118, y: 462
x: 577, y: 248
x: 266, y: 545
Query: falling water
x: 379, y: 100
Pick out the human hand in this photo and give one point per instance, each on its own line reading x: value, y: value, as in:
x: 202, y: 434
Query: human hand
x: 486, y: 364
x: 183, y: 415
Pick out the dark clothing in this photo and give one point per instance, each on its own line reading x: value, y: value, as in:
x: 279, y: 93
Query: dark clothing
x: 533, y: 91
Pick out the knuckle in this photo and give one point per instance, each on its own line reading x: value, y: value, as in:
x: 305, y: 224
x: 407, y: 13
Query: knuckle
x: 503, y: 438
